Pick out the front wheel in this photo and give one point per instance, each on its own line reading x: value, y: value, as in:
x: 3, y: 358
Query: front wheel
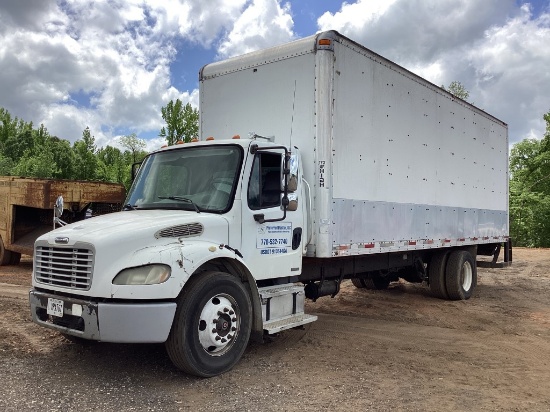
x: 212, y: 325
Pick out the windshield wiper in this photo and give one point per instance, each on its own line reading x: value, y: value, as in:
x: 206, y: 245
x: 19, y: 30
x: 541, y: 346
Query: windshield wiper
x: 128, y: 206
x: 181, y: 199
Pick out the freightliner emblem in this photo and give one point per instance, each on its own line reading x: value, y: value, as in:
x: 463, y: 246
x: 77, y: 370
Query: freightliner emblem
x: 63, y: 240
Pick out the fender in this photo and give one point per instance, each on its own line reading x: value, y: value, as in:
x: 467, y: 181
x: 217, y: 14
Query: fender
x: 197, y: 254
x: 185, y: 259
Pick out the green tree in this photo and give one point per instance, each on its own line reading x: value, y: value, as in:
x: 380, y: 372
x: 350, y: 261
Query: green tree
x: 530, y: 191
x: 64, y: 158
x: 86, y: 161
x: 135, y: 145
x: 10, y: 127
x: 115, y: 168
x: 457, y: 89
x: 16, y: 146
x: 41, y: 165
x: 6, y: 165
x: 182, y: 122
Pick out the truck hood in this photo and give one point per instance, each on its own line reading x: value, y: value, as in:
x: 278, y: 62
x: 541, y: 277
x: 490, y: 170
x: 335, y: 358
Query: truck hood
x: 130, y: 225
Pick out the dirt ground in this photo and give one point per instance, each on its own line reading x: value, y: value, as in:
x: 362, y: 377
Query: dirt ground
x: 393, y: 350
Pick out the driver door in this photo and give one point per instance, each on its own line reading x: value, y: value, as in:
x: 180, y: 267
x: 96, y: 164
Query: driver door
x: 271, y: 239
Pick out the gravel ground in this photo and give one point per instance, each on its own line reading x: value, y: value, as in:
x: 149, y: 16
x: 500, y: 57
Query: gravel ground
x: 393, y: 350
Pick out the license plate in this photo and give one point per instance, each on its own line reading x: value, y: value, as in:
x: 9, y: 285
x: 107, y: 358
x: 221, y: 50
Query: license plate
x: 55, y: 307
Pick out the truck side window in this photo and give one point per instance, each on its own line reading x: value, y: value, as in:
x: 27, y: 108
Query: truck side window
x: 264, y: 187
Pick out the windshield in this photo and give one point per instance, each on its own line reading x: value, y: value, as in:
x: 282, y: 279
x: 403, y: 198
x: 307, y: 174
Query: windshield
x: 198, y: 178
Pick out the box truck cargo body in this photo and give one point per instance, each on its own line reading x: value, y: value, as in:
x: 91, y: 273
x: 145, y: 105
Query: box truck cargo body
x: 394, y: 162
x: 318, y: 161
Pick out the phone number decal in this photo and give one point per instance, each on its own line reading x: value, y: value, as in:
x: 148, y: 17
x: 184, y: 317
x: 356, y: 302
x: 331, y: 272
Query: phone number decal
x: 274, y: 238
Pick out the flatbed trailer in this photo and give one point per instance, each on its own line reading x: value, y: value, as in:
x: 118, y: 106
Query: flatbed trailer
x: 26, y: 209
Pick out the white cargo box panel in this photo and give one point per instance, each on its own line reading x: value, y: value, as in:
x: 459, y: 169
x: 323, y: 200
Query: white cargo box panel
x: 395, y: 162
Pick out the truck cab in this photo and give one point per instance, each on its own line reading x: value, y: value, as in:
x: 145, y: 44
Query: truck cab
x: 203, y: 255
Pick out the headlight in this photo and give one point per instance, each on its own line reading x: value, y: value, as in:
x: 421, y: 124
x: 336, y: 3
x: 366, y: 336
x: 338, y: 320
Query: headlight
x: 143, y: 275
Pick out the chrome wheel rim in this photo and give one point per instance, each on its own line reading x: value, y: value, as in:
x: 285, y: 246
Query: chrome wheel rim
x: 219, y: 324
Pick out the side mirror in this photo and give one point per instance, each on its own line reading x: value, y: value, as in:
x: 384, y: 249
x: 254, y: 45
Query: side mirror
x: 57, y: 212
x: 58, y: 207
x: 294, y: 166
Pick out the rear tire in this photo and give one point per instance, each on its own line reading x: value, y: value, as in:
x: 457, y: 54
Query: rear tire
x: 376, y: 283
x: 5, y: 255
x: 461, y: 278
x: 436, y: 275
x: 211, y: 326
x: 358, y: 283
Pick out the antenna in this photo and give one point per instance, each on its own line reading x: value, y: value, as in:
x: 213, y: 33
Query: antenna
x: 292, y: 119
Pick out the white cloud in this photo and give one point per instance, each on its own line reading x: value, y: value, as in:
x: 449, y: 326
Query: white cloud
x: 262, y: 24
x: 497, y: 50
x: 105, y: 65
x: 197, y: 20
x: 511, y: 72
x: 415, y: 30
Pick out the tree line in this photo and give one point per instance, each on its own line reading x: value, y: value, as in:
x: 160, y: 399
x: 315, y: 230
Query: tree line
x: 31, y: 151
x: 530, y: 191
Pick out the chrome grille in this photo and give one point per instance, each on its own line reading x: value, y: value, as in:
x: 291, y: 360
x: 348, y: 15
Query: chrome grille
x: 68, y: 267
x: 191, y: 229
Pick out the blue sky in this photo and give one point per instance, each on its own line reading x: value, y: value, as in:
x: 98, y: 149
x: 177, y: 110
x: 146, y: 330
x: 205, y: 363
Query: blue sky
x: 111, y: 65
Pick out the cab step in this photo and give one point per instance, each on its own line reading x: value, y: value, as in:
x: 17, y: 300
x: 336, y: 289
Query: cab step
x: 276, y: 326
x: 283, y: 307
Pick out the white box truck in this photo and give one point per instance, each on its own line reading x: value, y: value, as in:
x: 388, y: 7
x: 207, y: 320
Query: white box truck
x: 348, y: 166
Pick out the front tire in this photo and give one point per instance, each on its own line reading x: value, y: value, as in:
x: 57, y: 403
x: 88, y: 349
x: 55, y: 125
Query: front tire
x: 211, y: 326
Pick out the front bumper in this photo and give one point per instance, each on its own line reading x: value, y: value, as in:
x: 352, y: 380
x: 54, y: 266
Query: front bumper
x: 107, y: 322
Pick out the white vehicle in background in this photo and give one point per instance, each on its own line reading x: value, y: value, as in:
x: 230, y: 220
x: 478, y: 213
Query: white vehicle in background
x: 365, y: 171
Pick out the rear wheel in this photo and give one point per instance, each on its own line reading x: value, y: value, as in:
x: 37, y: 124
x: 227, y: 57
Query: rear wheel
x: 436, y: 275
x: 377, y: 283
x: 358, y: 283
x: 461, y: 278
x: 211, y: 326
x: 5, y: 255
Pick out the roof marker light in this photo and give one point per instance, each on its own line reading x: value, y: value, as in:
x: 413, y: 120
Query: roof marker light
x: 209, y: 138
x: 236, y: 136
x: 324, y: 42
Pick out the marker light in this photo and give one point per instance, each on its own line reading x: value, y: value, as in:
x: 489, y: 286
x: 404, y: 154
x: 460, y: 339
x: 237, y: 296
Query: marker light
x: 209, y: 138
x: 236, y: 136
x: 324, y: 42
